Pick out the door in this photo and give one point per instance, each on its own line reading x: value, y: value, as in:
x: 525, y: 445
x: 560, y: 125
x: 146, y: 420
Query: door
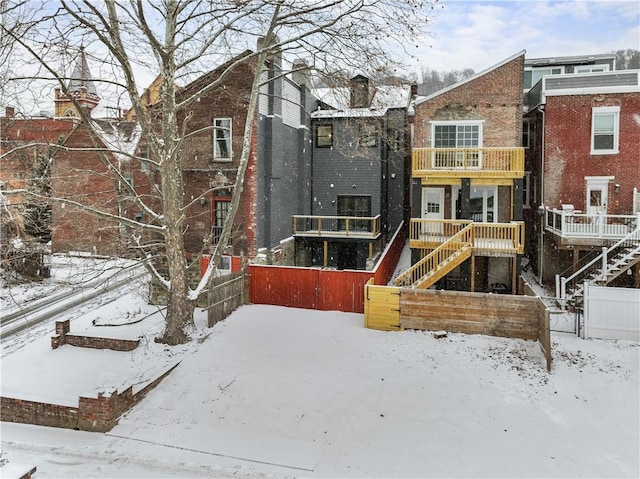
x: 432, y: 209
x: 597, y: 194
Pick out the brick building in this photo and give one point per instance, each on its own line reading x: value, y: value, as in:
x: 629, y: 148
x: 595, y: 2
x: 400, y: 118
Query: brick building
x: 467, y: 182
x: 584, y: 161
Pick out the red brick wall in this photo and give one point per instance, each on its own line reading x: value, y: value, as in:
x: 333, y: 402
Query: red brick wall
x: 568, y: 156
x: 495, y: 97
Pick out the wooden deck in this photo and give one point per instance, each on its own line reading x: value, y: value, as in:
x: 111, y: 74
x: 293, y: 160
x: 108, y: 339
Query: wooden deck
x: 507, y: 162
x: 312, y: 226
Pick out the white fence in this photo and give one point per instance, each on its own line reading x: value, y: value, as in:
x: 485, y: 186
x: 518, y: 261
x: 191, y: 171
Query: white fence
x: 612, y: 313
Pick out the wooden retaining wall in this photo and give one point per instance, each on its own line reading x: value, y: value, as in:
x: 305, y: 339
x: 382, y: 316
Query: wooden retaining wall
x: 510, y: 316
x: 322, y: 289
x: 225, y: 295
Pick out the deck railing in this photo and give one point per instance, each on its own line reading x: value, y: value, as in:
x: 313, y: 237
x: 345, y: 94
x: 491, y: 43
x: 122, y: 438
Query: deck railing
x: 336, y: 226
x: 569, y: 224
x: 488, y: 237
x: 507, y: 162
x: 441, y: 258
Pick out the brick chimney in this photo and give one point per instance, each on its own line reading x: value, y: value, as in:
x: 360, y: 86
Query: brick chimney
x: 360, y: 92
x: 10, y: 112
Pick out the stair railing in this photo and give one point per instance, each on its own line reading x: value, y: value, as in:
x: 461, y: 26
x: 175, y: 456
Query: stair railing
x: 432, y: 261
x: 602, y: 259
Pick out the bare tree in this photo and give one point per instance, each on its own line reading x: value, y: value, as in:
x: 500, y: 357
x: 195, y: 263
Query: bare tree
x: 178, y: 40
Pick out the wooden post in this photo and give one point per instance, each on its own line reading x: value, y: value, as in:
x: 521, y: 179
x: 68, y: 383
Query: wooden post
x: 370, y: 249
x: 326, y: 254
x: 473, y: 273
x: 514, y: 272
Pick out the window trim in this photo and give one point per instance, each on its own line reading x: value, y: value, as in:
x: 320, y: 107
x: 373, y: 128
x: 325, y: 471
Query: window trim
x: 218, y: 129
x: 216, y: 229
x: 330, y: 136
x: 606, y: 110
x: 479, y: 123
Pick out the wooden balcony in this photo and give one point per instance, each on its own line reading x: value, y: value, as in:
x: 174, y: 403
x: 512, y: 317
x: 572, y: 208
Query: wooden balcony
x: 486, y: 239
x: 361, y: 227
x: 499, y: 163
x: 575, y: 228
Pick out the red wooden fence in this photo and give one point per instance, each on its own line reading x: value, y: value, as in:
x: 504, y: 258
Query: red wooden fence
x: 321, y: 289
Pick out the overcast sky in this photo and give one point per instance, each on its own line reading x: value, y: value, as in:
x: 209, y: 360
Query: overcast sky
x: 477, y: 34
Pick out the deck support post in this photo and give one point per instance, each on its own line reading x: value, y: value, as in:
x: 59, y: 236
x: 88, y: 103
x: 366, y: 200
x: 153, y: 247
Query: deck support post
x: 326, y: 254
x: 473, y: 273
x: 514, y: 275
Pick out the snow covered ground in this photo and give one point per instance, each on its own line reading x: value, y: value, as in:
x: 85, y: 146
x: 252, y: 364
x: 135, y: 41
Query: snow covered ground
x: 282, y: 392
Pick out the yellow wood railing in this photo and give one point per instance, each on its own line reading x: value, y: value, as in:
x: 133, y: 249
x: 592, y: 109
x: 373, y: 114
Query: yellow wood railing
x: 468, y: 162
x: 440, y: 261
x: 336, y: 226
x: 488, y: 237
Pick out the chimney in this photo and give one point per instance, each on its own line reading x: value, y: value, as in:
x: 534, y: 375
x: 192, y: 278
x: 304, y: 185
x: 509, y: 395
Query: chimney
x: 10, y: 112
x: 274, y: 56
x: 300, y: 72
x: 360, y: 92
x: 414, y: 90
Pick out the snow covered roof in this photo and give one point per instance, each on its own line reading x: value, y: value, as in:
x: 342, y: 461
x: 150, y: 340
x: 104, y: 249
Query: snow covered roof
x: 338, y: 99
x: 119, y: 136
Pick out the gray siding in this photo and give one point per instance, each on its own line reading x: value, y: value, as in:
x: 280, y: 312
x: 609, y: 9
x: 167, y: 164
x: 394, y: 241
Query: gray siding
x: 283, y: 169
x: 346, y: 169
x: 591, y: 80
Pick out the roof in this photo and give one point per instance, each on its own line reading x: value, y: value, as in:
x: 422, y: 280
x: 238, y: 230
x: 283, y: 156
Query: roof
x: 81, y: 79
x: 470, y: 79
x: 568, y: 60
x: 117, y: 135
x: 337, y: 100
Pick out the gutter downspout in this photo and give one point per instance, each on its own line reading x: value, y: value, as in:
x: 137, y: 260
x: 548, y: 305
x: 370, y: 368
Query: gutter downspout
x: 542, y: 206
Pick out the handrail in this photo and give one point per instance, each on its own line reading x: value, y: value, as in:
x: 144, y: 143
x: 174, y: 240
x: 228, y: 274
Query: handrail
x: 568, y: 223
x: 347, y: 225
x: 435, y: 258
x: 480, y: 159
x: 634, y: 236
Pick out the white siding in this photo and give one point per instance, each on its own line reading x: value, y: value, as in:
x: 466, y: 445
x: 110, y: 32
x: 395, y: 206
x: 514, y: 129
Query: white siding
x: 612, y: 313
x: 263, y: 98
x: 290, y: 104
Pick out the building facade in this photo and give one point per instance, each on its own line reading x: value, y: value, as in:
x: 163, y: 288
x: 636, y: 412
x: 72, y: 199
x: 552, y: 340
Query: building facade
x: 584, y: 161
x: 358, y: 175
x: 467, y: 184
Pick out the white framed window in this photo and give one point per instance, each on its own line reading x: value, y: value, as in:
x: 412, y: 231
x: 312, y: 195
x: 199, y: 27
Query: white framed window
x: 592, y: 68
x: 483, y: 202
x: 456, y: 134
x: 604, y: 130
x: 452, y: 137
x: 222, y: 136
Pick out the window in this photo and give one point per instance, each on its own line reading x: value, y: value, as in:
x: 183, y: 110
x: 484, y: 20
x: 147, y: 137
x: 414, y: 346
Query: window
x: 220, y: 209
x: 604, y: 130
x: 592, y: 69
x: 456, y: 135
x: 526, y: 131
x: 482, y: 202
x: 355, y: 206
x: 368, y: 136
x: 533, y: 76
x: 144, y: 153
x: 324, y: 136
x: 222, y: 139
x: 526, y: 190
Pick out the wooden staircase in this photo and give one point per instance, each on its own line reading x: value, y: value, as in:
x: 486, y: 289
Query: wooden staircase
x: 439, y: 262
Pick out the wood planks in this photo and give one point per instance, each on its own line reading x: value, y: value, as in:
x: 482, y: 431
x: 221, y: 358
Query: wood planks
x: 470, y: 313
x: 382, y: 307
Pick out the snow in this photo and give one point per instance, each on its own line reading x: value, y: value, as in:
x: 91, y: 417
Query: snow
x: 283, y: 392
